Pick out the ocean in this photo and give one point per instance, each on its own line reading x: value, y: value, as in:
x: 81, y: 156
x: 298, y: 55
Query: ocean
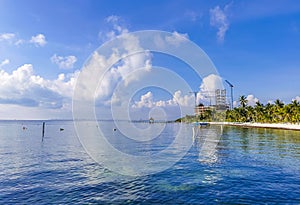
x: 222, y: 165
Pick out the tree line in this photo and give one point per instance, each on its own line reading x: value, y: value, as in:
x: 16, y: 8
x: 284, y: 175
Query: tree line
x: 276, y: 112
x: 268, y: 113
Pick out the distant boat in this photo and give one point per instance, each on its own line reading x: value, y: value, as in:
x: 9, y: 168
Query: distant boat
x: 201, y: 124
x: 151, y: 120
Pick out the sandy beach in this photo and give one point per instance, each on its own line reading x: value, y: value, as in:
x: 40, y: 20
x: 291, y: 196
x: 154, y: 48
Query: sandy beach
x: 287, y: 126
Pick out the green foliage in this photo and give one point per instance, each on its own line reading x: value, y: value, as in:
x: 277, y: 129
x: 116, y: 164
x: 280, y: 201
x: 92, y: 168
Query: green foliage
x: 269, y: 113
x: 207, y: 116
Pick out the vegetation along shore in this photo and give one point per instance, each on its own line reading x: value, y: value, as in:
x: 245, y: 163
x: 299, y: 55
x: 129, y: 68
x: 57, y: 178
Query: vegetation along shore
x: 271, y: 115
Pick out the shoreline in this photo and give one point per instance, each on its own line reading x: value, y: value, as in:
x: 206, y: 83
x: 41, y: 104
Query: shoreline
x: 284, y: 126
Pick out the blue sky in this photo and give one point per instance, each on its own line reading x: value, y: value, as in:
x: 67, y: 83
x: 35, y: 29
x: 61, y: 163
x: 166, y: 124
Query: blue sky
x: 43, y: 45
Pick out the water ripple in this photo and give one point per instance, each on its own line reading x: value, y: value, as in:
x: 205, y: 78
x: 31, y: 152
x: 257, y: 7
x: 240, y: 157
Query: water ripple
x: 252, y: 167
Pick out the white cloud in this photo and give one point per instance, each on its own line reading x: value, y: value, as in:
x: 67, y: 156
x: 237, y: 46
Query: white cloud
x: 219, y: 19
x: 22, y: 87
x: 7, y: 36
x: 296, y: 98
x: 147, y: 101
x: 66, y: 62
x: 174, y: 40
x: 117, y: 28
x: 183, y: 100
x: 251, y: 100
x: 116, y: 71
x: 112, y: 18
x: 10, y: 38
x: 121, y: 71
x: 4, y: 62
x: 27, y: 90
x: 235, y: 103
x: 211, y: 82
x: 38, y: 40
x: 177, y: 38
x: 208, y: 87
x: 116, y: 23
x: 19, y: 42
x: 205, y: 95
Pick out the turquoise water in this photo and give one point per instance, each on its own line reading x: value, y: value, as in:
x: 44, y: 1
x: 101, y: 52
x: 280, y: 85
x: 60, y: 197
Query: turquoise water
x: 247, y: 166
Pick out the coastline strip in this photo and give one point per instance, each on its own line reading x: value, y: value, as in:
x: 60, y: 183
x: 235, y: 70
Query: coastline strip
x: 286, y: 126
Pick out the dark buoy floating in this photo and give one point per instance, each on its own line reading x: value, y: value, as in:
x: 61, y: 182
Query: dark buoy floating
x: 24, y: 127
x: 114, y: 129
x: 43, y: 131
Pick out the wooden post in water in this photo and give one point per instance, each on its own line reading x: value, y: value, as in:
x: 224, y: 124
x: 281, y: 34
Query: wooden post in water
x: 43, y: 131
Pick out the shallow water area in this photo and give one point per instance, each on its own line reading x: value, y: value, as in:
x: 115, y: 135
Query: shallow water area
x: 241, y: 166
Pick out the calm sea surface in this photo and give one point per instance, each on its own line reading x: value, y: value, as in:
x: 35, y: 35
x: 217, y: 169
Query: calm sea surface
x: 244, y: 166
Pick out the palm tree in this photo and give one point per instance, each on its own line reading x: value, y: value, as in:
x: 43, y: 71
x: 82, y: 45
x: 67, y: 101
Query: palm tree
x: 295, y: 110
x: 241, y: 111
x: 270, y: 113
x: 243, y: 101
x: 279, y: 103
x: 250, y: 114
x: 259, y: 111
x: 230, y: 116
x: 288, y: 114
x: 278, y: 111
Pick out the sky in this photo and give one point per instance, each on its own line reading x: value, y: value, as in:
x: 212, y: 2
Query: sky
x: 44, y: 46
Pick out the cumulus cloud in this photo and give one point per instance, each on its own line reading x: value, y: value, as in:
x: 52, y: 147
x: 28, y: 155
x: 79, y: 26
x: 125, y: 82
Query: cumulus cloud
x: 219, y: 19
x: 205, y: 95
x: 251, y: 100
x: 38, y: 40
x: 113, y: 19
x: 211, y: 83
x: 172, y: 40
x: 296, y: 98
x: 177, y: 38
x: 23, y: 87
x: 10, y: 38
x: 7, y: 36
x: 121, y: 71
x: 117, y: 65
x: 64, y: 62
x: 4, y: 62
x: 19, y: 42
x: 116, y: 28
x: 235, y: 103
x: 208, y: 87
x: 183, y: 100
x: 147, y: 100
